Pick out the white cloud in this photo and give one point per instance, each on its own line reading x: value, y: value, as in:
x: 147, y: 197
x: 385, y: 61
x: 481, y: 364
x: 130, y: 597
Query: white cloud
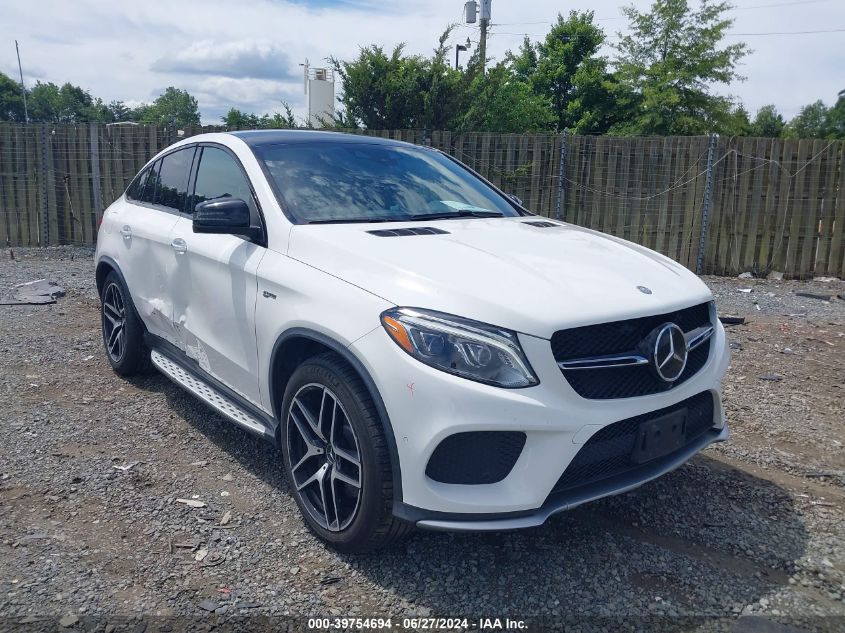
x: 249, y: 59
x: 222, y: 51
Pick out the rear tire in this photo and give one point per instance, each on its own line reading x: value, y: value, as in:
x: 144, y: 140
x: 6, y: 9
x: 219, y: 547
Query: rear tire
x: 123, y: 331
x: 329, y: 424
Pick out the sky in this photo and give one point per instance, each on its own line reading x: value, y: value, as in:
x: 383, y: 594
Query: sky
x: 247, y: 53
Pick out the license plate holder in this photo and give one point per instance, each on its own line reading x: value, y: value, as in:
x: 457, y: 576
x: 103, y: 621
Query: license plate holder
x: 660, y: 436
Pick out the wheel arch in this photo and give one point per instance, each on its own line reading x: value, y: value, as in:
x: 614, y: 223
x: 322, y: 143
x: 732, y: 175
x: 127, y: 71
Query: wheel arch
x: 296, y: 345
x: 105, y: 266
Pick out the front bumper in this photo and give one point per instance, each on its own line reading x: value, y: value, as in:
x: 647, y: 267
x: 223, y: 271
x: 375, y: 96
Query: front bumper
x: 567, y: 500
x: 426, y: 405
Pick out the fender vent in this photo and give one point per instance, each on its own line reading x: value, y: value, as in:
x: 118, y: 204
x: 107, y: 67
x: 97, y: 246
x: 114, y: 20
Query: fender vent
x: 542, y: 225
x: 414, y: 230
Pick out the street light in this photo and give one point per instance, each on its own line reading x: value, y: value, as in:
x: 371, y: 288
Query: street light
x: 459, y: 48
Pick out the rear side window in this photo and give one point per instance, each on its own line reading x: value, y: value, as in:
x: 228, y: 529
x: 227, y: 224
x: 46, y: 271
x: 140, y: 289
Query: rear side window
x: 173, y: 179
x: 151, y: 183
x: 220, y: 176
x: 136, y: 189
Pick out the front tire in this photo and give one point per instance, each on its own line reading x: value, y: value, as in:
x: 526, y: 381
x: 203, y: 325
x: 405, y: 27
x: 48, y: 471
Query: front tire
x: 123, y: 331
x: 336, y: 457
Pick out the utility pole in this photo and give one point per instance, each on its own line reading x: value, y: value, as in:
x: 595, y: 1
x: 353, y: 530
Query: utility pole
x: 23, y: 87
x: 485, y: 22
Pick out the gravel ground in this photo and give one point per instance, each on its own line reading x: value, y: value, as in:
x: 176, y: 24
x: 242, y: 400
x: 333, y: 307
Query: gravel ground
x: 91, y: 467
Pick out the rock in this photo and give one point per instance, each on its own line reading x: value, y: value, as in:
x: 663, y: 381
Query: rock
x: 194, y: 503
x: 68, y: 620
x: 775, y: 276
x: 208, y: 605
x: 814, y: 295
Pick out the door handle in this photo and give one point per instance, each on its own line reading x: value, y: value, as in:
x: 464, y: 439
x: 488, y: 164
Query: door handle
x: 179, y: 245
x: 126, y: 232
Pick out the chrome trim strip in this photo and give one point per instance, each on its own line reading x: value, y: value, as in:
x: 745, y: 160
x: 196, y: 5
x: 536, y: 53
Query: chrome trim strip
x: 602, y: 362
x: 698, y: 336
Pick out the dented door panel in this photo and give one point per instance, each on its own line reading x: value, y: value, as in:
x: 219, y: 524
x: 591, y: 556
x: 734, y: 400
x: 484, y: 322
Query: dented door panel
x: 214, y: 290
x: 145, y: 255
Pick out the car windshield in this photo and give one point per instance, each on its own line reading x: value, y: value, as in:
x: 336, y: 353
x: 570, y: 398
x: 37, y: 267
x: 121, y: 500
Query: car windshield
x: 370, y: 182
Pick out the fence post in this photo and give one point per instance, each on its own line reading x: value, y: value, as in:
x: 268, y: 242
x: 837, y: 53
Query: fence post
x: 561, y: 181
x: 96, y: 182
x: 45, y: 202
x: 705, y: 209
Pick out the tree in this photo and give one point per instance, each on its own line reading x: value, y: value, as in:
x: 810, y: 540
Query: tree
x: 173, y: 107
x: 570, y: 73
x: 836, y: 119
x: 382, y: 91
x: 767, y: 122
x: 235, y: 119
x: 11, y: 100
x: 50, y: 103
x: 669, y: 63
x: 499, y: 102
x: 737, y: 123
x: 119, y: 111
x: 810, y: 122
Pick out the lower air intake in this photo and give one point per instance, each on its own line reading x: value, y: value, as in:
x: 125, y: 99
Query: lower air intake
x: 476, y: 457
x: 609, y: 452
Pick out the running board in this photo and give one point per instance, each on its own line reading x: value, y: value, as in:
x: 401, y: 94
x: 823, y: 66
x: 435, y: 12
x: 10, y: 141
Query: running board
x: 208, y: 394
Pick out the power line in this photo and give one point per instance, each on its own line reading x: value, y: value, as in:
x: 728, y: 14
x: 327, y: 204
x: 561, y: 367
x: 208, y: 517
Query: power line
x: 778, y: 4
x: 748, y: 8
x: 785, y: 33
x: 726, y: 34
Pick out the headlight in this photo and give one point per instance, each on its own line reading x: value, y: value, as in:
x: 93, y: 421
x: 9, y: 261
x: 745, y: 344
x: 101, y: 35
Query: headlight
x: 460, y: 346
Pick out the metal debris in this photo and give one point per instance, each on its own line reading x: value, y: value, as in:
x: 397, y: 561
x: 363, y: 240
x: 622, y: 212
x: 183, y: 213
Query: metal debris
x: 35, y: 292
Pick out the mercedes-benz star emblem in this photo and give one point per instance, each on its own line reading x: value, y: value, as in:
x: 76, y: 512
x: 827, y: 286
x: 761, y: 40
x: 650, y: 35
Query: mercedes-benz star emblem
x: 670, y: 352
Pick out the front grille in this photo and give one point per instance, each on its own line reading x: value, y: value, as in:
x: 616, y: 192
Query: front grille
x: 624, y: 337
x: 475, y: 457
x: 608, y: 452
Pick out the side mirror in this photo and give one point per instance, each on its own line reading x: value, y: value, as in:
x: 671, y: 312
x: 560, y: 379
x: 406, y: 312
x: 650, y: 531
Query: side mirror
x: 225, y: 216
x: 515, y: 198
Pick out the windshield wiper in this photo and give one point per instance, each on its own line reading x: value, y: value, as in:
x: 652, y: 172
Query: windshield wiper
x: 355, y: 220
x: 458, y: 213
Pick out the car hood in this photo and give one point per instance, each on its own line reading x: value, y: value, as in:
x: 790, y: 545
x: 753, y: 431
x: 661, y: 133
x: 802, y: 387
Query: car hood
x: 502, y: 271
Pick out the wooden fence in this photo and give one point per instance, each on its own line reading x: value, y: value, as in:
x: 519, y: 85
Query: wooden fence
x: 719, y: 205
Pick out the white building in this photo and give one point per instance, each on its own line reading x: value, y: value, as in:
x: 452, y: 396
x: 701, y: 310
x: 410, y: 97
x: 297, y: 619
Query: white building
x: 319, y: 94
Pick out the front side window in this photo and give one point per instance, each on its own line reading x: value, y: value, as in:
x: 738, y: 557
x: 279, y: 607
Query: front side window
x: 173, y: 179
x: 220, y: 176
x: 360, y: 181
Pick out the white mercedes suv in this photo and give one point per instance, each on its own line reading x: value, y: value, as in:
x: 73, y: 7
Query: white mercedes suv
x: 423, y: 350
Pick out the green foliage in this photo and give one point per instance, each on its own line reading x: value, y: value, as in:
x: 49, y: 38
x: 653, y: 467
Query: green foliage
x: 53, y: 104
x: 382, y: 91
x: 818, y: 121
x: 237, y: 120
x: 11, y: 100
x: 836, y: 119
x: 767, y: 122
x: 669, y: 63
x: 569, y: 71
x: 173, y: 107
x: 500, y: 102
x: 810, y: 122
